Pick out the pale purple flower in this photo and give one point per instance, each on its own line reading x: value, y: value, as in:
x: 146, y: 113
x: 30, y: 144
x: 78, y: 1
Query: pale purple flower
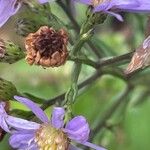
x: 112, y: 7
x: 9, y: 7
x: 23, y: 133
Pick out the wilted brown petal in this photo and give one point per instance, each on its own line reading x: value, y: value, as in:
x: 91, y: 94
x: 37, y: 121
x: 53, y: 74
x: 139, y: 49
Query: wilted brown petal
x: 141, y: 57
x: 47, y: 47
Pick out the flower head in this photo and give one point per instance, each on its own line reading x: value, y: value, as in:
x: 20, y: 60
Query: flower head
x: 113, y: 6
x: 10, y: 7
x: 47, y: 47
x: 51, y: 133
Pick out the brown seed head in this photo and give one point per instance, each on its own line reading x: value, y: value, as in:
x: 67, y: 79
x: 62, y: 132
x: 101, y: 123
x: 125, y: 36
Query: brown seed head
x: 47, y: 47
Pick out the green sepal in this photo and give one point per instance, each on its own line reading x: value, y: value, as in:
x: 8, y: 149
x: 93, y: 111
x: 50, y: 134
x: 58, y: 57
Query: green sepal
x: 12, y: 53
x: 7, y: 90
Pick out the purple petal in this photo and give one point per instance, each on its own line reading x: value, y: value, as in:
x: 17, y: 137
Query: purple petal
x: 123, y: 4
x: 146, y: 43
x: 72, y: 147
x: 23, y: 141
x: 119, y: 17
x: 34, y: 107
x: 78, y: 129
x: 93, y: 146
x: 43, y: 1
x: 21, y: 124
x: 4, y: 125
x: 116, y: 4
x: 57, y: 117
x: 3, y: 117
x: 2, y: 109
x: 88, y: 2
x: 106, y: 5
x: 144, y: 7
x: 7, y: 9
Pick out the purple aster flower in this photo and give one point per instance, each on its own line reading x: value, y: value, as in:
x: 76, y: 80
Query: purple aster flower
x: 113, y: 6
x: 9, y: 7
x: 50, y: 134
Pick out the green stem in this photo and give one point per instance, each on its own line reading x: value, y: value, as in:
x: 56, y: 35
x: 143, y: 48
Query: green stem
x: 66, y: 9
x: 85, y: 34
x: 84, y: 60
x: 76, y: 72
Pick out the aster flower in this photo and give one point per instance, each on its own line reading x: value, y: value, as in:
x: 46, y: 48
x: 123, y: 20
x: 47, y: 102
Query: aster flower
x: 10, y: 7
x: 113, y: 6
x: 50, y: 134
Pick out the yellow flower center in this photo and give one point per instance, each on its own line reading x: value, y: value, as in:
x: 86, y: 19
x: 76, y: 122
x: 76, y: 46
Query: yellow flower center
x: 50, y: 138
x: 97, y: 2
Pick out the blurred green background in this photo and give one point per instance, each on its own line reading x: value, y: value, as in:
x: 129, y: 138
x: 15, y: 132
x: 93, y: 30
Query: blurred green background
x: 129, y: 126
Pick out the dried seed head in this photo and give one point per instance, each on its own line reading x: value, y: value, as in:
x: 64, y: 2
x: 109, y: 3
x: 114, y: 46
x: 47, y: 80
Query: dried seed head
x: 50, y: 138
x: 141, y: 57
x: 47, y: 47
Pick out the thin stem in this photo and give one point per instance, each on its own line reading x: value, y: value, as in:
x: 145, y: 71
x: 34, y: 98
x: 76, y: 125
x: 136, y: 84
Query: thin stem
x: 76, y: 71
x: 101, y: 63
x: 77, y: 27
x: 115, y: 59
x: 85, y: 34
x: 86, y: 61
x: 70, y: 16
x: 61, y: 97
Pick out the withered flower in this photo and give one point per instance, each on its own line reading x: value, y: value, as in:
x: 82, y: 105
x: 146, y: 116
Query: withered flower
x: 47, y: 47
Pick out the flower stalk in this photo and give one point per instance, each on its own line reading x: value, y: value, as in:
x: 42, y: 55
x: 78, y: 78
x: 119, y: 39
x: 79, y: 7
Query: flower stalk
x: 86, y: 33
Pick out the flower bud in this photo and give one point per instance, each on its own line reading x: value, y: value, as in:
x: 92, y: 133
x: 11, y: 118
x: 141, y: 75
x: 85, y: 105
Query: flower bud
x: 25, y: 26
x: 48, y: 137
x: 7, y: 90
x: 47, y: 47
x: 9, y: 52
